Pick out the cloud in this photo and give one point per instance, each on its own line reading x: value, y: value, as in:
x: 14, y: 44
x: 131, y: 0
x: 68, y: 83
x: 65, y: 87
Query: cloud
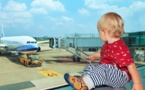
x: 131, y: 11
x: 137, y: 6
x: 64, y: 18
x: 96, y: 4
x: 59, y: 21
x: 39, y: 10
x: 46, y: 6
x: 83, y: 11
x: 14, y: 12
x: 105, y: 5
x: 14, y: 6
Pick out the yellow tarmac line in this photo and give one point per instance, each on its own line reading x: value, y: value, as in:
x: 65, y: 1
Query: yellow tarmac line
x: 49, y: 73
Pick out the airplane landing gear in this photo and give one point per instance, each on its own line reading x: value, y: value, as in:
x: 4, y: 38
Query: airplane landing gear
x: 76, y: 59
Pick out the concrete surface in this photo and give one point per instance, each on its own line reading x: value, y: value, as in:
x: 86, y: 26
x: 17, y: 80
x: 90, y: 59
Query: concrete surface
x: 57, y: 60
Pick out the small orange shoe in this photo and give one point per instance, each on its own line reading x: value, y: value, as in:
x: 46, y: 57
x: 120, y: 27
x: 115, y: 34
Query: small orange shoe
x: 75, y: 82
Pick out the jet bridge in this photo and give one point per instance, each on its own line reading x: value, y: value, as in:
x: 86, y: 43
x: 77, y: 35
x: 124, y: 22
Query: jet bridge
x: 77, y: 44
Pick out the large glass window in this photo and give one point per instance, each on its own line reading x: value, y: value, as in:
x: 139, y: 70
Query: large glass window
x: 142, y: 40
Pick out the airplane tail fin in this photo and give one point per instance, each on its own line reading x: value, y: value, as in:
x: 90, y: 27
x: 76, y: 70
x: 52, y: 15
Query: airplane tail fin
x: 2, y: 32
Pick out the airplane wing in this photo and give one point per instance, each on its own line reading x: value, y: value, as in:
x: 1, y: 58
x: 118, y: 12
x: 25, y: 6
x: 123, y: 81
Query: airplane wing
x: 46, y: 41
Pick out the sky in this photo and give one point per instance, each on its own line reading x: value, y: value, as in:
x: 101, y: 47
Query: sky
x: 57, y: 18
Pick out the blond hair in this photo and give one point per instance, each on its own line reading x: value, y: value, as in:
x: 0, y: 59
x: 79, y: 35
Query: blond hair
x: 113, y: 22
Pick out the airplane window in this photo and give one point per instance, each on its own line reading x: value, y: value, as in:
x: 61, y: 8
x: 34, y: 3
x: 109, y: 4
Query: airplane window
x: 28, y: 42
x: 32, y: 42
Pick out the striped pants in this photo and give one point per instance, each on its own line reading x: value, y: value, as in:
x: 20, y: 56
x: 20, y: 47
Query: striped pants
x: 105, y: 74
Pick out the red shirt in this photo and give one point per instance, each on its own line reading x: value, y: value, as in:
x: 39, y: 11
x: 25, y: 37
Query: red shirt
x: 116, y: 54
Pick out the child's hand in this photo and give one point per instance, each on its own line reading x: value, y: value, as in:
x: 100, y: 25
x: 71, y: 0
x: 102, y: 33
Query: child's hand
x: 90, y: 58
x: 137, y: 87
x: 93, y: 56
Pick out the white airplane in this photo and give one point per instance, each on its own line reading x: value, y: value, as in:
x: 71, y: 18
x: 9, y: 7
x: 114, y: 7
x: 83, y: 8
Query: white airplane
x: 25, y: 45
x: 21, y: 44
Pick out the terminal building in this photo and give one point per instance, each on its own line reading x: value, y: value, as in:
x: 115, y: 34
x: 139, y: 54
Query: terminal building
x: 135, y: 39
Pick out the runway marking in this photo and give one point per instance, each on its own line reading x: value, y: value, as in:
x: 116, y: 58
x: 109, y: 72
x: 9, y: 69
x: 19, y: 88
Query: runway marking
x: 49, y: 73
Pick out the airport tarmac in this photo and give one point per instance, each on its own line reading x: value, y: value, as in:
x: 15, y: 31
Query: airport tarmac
x: 56, y: 62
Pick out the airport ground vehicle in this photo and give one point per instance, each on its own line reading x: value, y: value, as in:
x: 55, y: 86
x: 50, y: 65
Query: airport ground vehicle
x: 31, y: 61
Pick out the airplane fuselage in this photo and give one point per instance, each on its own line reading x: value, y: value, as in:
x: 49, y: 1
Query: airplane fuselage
x: 22, y: 44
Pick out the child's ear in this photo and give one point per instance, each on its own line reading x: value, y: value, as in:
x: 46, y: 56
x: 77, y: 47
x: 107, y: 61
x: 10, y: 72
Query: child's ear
x: 104, y: 32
